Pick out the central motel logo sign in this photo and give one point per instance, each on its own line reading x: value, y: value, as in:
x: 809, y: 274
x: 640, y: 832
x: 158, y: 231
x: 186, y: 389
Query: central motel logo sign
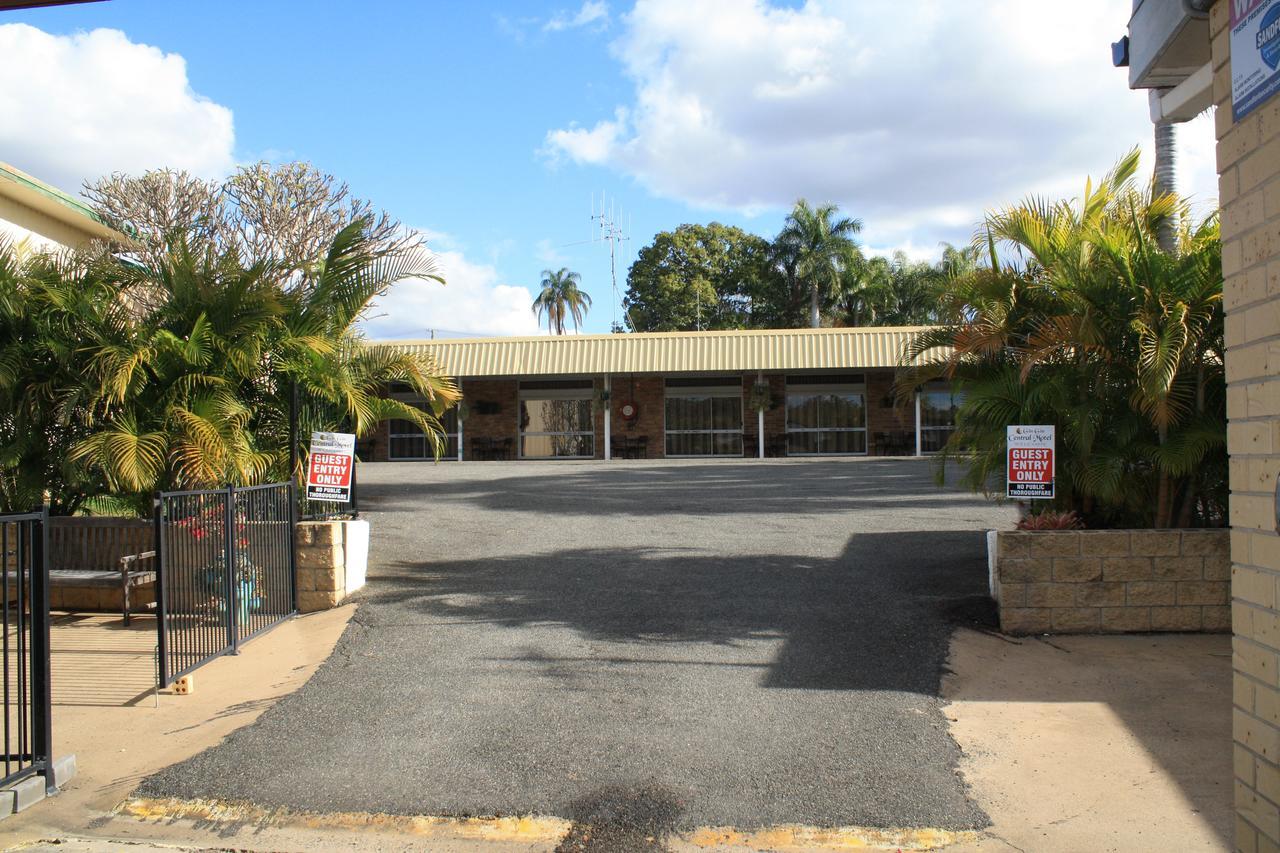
x: 1030, y: 463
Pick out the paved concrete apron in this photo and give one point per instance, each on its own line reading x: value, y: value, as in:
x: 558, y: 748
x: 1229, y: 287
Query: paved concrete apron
x: 658, y: 644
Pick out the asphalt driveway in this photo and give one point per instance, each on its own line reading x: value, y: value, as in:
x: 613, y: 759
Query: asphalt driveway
x: 672, y: 644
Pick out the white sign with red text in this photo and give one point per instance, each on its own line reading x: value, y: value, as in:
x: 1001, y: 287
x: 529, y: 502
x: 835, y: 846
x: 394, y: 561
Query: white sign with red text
x: 1030, y: 463
x: 329, y: 466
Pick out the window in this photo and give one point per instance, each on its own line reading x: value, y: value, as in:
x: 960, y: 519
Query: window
x: 557, y: 422
x: 825, y: 419
x: 409, y: 442
x: 704, y: 417
x: 938, y: 407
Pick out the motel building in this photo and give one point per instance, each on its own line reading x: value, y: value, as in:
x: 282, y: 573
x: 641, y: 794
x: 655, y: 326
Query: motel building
x: 676, y: 395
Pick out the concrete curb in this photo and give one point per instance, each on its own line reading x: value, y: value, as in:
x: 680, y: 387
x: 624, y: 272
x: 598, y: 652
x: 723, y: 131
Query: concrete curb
x: 24, y: 794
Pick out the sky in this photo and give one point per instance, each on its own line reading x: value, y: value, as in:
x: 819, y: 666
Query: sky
x: 497, y: 128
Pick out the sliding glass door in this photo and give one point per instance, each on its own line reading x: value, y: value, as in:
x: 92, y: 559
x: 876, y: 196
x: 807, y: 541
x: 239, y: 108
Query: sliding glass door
x: 826, y: 416
x: 704, y: 417
x: 557, y: 420
x: 407, y: 442
x: 938, y: 408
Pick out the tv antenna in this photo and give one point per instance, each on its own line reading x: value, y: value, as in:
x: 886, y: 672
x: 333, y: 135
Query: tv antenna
x: 607, y: 228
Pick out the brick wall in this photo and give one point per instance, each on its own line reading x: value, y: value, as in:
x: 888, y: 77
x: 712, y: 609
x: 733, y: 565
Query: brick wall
x: 649, y: 395
x: 775, y: 418
x: 377, y: 447
x: 882, y: 418
x: 597, y: 417
x: 503, y: 423
x: 1249, y: 193
x: 1113, y: 581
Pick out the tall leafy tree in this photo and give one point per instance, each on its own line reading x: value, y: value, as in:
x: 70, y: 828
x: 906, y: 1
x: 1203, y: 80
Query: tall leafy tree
x: 1077, y: 318
x: 889, y: 292
x: 700, y: 277
x: 816, y: 248
x: 561, y: 299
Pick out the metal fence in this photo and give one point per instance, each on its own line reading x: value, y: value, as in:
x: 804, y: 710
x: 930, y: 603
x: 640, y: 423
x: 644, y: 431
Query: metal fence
x: 24, y: 616
x: 226, y: 571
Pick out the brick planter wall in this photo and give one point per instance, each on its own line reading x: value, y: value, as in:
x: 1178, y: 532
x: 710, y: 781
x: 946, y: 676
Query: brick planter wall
x: 1112, y: 581
x: 330, y: 558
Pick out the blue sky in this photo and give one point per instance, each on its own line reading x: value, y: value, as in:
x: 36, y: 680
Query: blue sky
x: 491, y: 126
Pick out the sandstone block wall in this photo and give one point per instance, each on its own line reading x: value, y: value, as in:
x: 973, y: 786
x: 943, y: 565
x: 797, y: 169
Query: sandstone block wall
x: 329, y: 562
x: 1113, y: 581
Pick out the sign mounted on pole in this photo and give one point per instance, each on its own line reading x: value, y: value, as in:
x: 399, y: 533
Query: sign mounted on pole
x: 1255, y: 54
x: 1030, y: 462
x: 329, y: 466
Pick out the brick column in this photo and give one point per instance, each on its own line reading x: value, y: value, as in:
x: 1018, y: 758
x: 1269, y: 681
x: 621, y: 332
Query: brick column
x: 649, y: 394
x: 1249, y: 192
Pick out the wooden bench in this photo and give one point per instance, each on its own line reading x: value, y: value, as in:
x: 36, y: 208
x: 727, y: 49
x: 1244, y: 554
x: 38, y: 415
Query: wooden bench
x: 97, y: 558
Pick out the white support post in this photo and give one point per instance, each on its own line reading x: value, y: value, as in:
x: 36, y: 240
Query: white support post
x: 919, y: 445
x: 459, y: 438
x: 608, y: 420
x: 760, y: 422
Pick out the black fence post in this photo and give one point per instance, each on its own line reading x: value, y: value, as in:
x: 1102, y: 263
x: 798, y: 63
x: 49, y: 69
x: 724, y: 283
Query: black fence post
x: 355, y: 501
x: 157, y: 516
x: 293, y: 432
x: 233, y: 635
x: 41, y: 663
x: 293, y: 547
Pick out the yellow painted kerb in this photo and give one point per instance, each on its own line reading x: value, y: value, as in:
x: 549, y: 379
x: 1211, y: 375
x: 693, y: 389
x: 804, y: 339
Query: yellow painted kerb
x: 539, y: 829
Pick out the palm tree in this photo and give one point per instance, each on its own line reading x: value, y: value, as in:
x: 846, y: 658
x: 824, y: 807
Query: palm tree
x: 1164, y: 178
x: 1091, y: 327
x: 560, y: 298
x: 195, y: 391
x: 49, y: 305
x: 818, y: 248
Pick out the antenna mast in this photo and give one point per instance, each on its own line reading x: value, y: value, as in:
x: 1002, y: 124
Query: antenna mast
x: 609, y: 230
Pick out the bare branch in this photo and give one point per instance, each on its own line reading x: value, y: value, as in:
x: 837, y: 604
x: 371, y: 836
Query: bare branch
x: 286, y: 214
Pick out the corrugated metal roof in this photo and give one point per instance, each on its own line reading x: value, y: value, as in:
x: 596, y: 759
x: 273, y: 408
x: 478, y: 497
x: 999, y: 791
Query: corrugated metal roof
x: 51, y: 201
x: 668, y: 352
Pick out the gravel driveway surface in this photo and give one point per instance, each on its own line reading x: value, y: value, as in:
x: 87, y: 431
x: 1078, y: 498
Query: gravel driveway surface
x: 665, y: 644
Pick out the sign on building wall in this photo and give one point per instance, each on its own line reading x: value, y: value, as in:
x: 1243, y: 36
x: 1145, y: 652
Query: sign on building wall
x: 329, y: 466
x: 1255, y: 53
x: 1030, y: 462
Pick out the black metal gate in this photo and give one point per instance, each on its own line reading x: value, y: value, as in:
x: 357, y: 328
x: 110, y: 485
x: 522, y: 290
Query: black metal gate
x: 226, y: 571
x: 24, y: 615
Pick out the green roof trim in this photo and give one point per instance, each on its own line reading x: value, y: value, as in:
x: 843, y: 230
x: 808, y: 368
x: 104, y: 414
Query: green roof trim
x: 21, y: 178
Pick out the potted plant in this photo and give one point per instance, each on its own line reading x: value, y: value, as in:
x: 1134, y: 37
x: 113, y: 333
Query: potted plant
x: 761, y: 397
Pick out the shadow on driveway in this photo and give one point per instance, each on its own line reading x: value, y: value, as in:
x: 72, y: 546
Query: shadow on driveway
x: 877, y: 618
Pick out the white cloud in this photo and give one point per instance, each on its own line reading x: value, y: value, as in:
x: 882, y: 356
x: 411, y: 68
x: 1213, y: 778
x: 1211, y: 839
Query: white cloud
x: 548, y: 253
x: 80, y: 106
x: 915, y: 118
x: 581, y: 145
x: 591, y: 12
x: 473, y: 301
